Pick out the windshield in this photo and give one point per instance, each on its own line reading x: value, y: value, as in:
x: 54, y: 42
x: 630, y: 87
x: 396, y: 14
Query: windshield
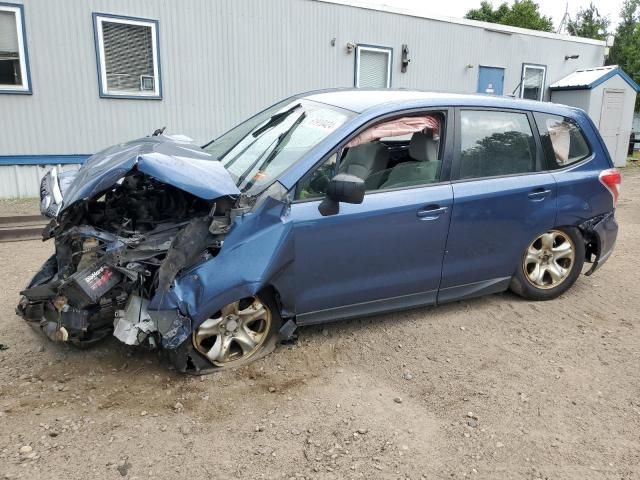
x: 257, y: 151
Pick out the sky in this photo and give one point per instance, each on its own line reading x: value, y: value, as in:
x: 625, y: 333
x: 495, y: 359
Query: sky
x: 553, y: 8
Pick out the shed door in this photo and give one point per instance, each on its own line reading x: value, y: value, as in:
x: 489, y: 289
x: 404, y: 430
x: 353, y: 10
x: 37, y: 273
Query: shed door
x: 610, y: 119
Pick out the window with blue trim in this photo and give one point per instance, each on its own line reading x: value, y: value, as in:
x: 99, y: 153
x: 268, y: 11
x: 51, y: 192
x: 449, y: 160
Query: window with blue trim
x: 128, y: 60
x: 14, y: 68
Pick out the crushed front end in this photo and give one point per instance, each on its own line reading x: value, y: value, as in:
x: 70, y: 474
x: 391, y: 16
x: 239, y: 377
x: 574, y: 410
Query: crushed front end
x: 124, y: 227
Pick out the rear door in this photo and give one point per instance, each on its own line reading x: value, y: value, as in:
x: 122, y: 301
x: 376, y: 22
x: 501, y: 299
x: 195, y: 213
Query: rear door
x: 502, y: 200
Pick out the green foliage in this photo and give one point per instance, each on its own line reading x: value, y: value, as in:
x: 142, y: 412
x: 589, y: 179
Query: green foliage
x: 523, y: 14
x: 589, y: 24
x: 626, y: 49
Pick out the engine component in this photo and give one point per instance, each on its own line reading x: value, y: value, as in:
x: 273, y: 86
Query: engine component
x: 133, y: 324
x: 55, y: 332
x: 87, y: 286
x: 74, y: 318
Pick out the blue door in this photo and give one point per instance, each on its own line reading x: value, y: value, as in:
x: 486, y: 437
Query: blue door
x: 503, y: 201
x: 385, y: 253
x: 491, y: 80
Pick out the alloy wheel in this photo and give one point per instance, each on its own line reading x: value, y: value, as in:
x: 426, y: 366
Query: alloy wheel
x: 235, y: 333
x: 549, y: 259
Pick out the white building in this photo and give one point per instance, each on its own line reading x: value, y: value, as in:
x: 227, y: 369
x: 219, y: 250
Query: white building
x: 77, y: 76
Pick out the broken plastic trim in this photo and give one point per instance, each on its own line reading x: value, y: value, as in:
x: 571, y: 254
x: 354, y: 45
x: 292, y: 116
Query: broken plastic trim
x: 591, y: 232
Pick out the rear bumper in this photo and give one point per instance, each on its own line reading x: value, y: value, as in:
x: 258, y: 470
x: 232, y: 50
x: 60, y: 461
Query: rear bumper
x: 602, y: 231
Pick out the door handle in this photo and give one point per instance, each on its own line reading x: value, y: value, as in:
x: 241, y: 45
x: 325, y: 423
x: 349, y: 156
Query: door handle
x: 431, y: 212
x: 539, y: 194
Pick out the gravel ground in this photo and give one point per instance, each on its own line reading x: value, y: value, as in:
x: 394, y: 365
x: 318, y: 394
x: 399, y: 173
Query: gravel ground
x: 493, y: 388
x: 19, y: 206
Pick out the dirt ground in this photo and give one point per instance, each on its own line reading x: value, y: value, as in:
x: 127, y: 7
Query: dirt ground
x: 493, y: 388
x: 19, y: 206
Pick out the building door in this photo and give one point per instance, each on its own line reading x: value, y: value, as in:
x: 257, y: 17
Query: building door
x: 490, y: 80
x: 610, y: 115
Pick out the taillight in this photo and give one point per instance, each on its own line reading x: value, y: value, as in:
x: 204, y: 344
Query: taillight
x: 611, y: 179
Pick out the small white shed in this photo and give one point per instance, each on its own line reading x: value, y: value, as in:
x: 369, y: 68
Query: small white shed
x: 608, y: 95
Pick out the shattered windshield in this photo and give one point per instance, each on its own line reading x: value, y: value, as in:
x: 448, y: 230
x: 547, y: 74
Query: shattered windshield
x: 257, y: 151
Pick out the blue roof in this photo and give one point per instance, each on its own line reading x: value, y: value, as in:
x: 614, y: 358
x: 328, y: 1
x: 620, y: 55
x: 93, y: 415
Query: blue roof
x: 588, y: 78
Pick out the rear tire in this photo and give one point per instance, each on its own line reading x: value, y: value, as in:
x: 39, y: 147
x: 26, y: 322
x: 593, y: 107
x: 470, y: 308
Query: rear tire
x: 550, y: 265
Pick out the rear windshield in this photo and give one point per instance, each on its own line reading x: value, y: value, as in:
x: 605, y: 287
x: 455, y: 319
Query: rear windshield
x: 562, y: 139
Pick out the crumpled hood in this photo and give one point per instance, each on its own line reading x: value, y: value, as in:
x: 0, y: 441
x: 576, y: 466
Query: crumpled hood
x: 183, y: 165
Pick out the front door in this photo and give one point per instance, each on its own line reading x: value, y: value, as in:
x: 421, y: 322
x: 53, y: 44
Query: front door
x: 490, y: 80
x: 389, y: 248
x: 503, y: 201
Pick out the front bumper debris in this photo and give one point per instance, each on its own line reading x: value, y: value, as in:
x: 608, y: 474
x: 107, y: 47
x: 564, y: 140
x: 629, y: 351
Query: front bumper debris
x: 137, y: 250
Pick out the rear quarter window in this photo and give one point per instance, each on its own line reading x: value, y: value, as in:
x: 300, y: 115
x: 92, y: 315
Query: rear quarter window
x: 563, y: 141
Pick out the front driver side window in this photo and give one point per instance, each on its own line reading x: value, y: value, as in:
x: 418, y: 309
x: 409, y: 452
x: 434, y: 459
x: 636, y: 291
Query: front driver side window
x: 315, y: 185
x: 400, y: 152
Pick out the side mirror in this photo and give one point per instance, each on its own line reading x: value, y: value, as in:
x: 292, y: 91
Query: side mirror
x: 342, y: 188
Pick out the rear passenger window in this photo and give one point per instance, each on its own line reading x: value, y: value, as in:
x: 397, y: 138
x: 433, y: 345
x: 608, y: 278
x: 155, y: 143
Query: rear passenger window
x: 496, y: 143
x: 563, y: 141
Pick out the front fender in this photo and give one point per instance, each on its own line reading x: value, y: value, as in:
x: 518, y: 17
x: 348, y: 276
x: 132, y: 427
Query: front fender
x: 256, y: 250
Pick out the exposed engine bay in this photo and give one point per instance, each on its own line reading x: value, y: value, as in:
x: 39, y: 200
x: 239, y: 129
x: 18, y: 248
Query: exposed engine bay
x: 127, y: 227
x: 114, y: 252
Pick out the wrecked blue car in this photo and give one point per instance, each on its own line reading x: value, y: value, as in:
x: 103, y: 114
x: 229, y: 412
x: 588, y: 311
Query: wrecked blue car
x: 328, y: 205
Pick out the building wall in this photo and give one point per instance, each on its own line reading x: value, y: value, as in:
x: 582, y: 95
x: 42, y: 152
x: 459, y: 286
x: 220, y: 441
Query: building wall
x: 222, y: 60
x: 23, y: 181
x: 574, y: 98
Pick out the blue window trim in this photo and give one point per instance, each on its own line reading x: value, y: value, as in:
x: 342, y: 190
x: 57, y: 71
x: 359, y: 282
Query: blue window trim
x: 27, y: 65
x: 102, y: 91
x: 379, y: 47
x: 42, y: 159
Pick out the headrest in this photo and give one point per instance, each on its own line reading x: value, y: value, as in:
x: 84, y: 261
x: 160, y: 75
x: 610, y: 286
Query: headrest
x: 367, y: 153
x: 423, y: 147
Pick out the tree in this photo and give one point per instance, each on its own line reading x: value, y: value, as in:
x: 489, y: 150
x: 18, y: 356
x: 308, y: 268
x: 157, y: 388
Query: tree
x: 626, y: 48
x: 589, y: 24
x: 523, y: 14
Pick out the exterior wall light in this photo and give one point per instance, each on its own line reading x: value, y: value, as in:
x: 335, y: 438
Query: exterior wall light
x: 405, y: 58
x: 571, y: 57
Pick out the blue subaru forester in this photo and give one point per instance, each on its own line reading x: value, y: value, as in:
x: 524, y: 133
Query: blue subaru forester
x: 328, y: 205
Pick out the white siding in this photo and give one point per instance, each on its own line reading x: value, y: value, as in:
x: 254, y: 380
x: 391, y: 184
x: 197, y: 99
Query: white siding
x: 23, y: 181
x: 222, y: 60
x: 574, y: 98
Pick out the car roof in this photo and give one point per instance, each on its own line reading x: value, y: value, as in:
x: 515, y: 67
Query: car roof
x: 360, y: 100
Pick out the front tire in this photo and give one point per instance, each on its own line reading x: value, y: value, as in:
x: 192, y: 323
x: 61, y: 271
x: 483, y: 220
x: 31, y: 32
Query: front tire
x: 550, y: 265
x: 239, y: 333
